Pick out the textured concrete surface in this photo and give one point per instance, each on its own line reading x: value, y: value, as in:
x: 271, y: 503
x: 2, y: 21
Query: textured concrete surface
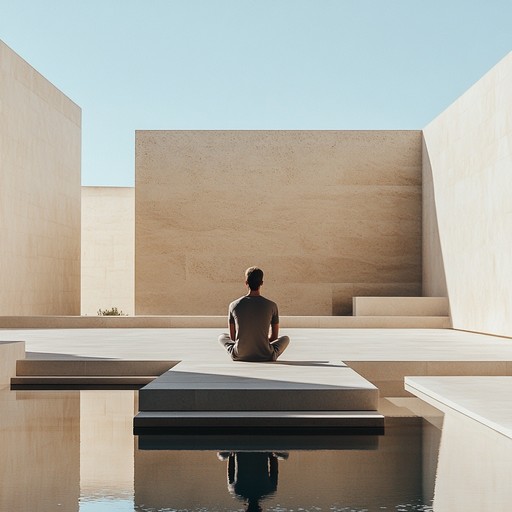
x: 40, y: 131
x: 487, y: 400
x: 468, y: 157
x: 242, y: 386
x: 328, y: 215
x: 108, y: 249
x: 441, y: 345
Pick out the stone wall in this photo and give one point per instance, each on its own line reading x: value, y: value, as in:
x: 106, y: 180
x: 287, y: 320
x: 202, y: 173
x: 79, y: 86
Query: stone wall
x: 40, y: 130
x: 108, y: 249
x: 327, y: 214
x: 468, y: 170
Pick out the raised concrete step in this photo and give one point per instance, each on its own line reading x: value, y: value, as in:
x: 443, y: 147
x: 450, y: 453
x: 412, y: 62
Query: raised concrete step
x: 168, y: 322
x: 84, y: 382
x: 401, y: 306
x: 91, y: 367
x: 243, y: 386
x: 232, y: 422
x: 86, y: 373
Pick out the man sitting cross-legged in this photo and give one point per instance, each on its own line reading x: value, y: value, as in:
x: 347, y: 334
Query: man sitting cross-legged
x: 254, y: 324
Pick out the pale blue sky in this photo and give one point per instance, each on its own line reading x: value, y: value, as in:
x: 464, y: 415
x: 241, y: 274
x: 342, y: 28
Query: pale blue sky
x: 252, y: 64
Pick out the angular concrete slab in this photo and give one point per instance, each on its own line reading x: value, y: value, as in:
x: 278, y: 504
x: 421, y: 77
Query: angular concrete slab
x: 242, y: 386
x: 487, y: 400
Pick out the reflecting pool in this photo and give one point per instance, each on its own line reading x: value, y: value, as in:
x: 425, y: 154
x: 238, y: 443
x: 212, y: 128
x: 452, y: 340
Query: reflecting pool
x: 75, y: 451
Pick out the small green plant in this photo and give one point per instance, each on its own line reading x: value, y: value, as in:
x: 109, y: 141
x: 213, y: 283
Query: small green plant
x: 110, y: 312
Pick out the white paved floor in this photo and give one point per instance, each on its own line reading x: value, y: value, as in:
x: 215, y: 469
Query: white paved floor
x: 306, y: 344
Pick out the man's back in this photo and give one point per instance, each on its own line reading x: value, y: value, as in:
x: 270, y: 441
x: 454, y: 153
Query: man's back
x: 252, y: 317
x: 254, y: 324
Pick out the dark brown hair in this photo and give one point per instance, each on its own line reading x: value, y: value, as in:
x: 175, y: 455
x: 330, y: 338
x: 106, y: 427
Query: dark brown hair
x: 254, y: 277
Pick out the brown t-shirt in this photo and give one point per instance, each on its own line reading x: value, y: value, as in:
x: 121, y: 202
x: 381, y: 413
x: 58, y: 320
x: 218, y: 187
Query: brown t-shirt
x: 252, y: 317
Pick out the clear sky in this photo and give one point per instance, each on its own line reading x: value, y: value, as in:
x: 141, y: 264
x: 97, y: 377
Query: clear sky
x: 252, y: 64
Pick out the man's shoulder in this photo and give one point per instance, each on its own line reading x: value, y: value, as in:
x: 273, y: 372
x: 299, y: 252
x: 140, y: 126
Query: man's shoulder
x: 269, y: 302
x: 236, y: 302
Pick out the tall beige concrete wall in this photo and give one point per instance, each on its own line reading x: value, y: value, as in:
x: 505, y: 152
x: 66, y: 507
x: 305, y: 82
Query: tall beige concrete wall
x: 468, y: 166
x: 108, y: 249
x: 40, y: 130
x: 327, y: 214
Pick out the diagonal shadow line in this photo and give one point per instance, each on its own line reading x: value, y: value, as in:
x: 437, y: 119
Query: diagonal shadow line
x: 311, y: 363
x: 195, y: 381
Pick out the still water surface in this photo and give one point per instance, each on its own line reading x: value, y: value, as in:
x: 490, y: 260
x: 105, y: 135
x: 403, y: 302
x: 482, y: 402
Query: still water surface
x: 74, y: 451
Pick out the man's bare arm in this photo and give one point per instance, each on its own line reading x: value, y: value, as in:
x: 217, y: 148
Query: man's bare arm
x: 232, y: 331
x: 274, y: 332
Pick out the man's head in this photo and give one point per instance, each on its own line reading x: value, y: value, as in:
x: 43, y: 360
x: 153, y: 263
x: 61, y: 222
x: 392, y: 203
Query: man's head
x: 254, y: 278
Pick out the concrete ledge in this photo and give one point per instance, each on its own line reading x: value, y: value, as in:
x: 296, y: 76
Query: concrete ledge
x: 220, y: 322
x: 260, y: 420
x: 401, y: 306
x: 91, y: 367
x: 10, y: 352
x: 88, y: 382
x: 242, y: 386
x: 487, y: 400
x: 389, y: 376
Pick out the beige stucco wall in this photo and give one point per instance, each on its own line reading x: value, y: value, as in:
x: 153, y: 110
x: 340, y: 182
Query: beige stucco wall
x: 108, y: 249
x: 468, y: 155
x: 40, y: 130
x: 326, y: 214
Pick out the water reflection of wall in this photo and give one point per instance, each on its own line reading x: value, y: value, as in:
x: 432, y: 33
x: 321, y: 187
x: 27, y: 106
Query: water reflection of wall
x: 474, y: 468
x: 40, y: 447
x: 370, y: 478
x: 106, y: 444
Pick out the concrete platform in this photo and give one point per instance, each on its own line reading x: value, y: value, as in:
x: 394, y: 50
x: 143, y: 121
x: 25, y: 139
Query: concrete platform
x: 237, y: 397
x: 487, y: 400
x: 242, y: 386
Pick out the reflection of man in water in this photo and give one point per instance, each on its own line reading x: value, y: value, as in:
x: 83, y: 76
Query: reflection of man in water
x: 252, y: 475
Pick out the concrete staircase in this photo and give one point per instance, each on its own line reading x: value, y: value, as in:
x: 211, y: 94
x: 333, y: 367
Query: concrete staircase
x: 86, y: 373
